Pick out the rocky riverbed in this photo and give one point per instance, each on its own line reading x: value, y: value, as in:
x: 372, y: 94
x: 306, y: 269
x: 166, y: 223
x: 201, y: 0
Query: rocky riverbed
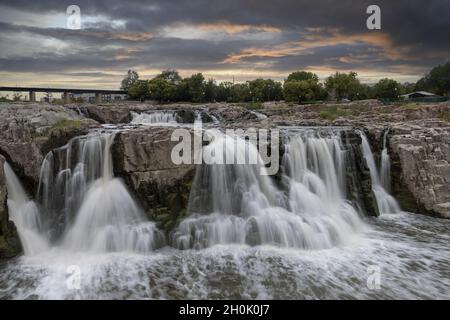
x: 418, y: 142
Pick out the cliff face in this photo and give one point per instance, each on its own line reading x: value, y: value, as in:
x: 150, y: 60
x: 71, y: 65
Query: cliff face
x: 358, y: 181
x: 9, y: 240
x: 142, y: 157
x: 421, y: 166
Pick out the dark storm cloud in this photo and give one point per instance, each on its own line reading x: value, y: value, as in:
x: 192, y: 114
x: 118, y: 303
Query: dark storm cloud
x: 158, y: 53
x: 405, y: 20
x: 417, y: 35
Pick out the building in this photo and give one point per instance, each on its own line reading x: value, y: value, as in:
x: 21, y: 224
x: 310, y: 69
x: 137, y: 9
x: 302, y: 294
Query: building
x: 90, y: 97
x: 419, y: 95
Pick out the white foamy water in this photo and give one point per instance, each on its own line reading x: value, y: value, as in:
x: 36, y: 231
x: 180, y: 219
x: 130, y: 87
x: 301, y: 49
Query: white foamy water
x: 385, y: 166
x: 410, y: 250
x: 81, y: 206
x: 246, y: 236
x: 234, y: 203
x: 25, y: 215
x: 259, y: 115
x: 386, y: 203
x: 155, y: 118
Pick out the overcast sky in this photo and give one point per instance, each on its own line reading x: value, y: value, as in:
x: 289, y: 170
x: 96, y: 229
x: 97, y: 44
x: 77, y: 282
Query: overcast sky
x: 241, y: 38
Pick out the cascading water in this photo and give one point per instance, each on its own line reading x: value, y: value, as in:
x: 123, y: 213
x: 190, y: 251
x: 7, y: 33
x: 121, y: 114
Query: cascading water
x: 66, y: 173
x: 230, y: 204
x: 386, y: 203
x: 108, y: 218
x: 82, y: 207
x: 385, y: 167
x: 234, y: 203
x: 25, y: 215
x: 155, y: 118
x: 174, y: 118
x: 259, y: 115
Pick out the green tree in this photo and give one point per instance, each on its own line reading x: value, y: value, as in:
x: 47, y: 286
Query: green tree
x: 130, y: 79
x: 437, y: 80
x: 210, y: 90
x: 307, y: 83
x: 161, y: 90
x: 272, y: 90
x: 387, y: 89
x: 139, y: 90
x: 299, y: 91
x: 265, y: 90
x: 195, y: 85
x: 224, y: 91
x: 407, y: 87
x: 363, y: 91
x: 241, y: 93
x: 344, y: 85
x: 170, y: 75
x: 182, y: 91
x: 302, y: 75
x: 256, y: 89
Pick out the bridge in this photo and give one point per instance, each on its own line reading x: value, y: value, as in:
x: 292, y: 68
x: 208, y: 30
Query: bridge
x: 66, y: 92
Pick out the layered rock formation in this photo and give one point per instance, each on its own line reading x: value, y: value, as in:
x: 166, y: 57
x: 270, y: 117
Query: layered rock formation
x: 421, y: 163
x: 142, y: 157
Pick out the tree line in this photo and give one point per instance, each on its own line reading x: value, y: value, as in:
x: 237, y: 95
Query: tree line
x: 299, y: 87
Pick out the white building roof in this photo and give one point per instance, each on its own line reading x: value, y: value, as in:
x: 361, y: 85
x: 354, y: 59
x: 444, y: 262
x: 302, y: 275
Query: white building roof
x: 424, y: 93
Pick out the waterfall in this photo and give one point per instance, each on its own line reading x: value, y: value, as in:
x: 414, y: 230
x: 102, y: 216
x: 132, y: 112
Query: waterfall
x: 234, y: 203
x: 25, y: 215
x: 66, y: 173
x: 155, y: 118
x: 385, y: 167
x: 109, y: 219
x: 198, y: 118
x: 259, y: 115
x: 81, y: 207
x: 386, y: 203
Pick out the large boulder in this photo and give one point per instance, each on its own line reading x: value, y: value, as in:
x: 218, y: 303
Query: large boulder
x: 142, y: 157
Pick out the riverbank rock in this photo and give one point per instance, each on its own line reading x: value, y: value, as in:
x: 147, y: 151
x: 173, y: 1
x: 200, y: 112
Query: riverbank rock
x: 421, y: 162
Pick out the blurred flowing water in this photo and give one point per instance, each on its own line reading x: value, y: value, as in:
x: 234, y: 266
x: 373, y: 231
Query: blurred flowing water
x: 246, y: 236
x: 386, y: 203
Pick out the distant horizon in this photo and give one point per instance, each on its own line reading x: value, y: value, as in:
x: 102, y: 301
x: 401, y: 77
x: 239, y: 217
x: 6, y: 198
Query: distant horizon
x: 244, y: 40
